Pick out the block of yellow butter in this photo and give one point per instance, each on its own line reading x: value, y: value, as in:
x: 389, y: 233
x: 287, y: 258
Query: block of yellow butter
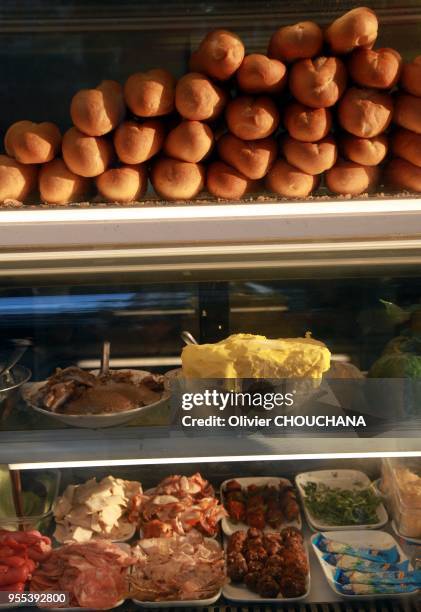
x: 250, y: 356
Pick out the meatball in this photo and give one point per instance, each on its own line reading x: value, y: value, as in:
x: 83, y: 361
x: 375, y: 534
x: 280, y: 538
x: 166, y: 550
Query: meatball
x: 236, y: 567
x: 267, y: 586
x: 236, y: 541
x: 251, y: 580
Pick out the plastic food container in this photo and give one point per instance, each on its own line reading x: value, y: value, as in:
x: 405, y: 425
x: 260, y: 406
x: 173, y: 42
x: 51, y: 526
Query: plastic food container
x: 401, y: 484
x: 39, y: 492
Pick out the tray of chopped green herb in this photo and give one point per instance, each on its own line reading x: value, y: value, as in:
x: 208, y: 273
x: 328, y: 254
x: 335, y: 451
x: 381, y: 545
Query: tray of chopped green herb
x: 340, y: 500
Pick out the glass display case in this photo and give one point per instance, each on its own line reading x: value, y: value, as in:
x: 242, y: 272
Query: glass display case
x: 99, y: 300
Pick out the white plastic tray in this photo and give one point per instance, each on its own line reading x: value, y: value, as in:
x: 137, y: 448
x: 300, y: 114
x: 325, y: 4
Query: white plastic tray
x: 365, y: 539
x: 238, y: 592
x: 341, y: 479
x: 229, y: 526
x: 416, y: 541
x: 189, y: 603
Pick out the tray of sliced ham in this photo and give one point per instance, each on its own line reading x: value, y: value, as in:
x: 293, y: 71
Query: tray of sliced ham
x: 95, y: 574
x: 178, y: 571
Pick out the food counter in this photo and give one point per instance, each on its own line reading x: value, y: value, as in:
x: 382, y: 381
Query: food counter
x: 210, y: 349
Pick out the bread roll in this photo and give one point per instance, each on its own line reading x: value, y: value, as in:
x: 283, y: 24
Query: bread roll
x: 219, y: 55
x: 32, y: 143
x: 17, y: 180
x: 253, y: 158
x: 365, y: 151
x: 348, y: 178
x: 98, y: 111
x: 260, y: 75
x: 150, y: 94
x: 307, y: 124
x: 252, y: 118
x: 407, y: 145
x: 407, y: 112
x: 198, y: 99
x: 356, y: 28
x: 299, y: 41
x: 177, y: 180
x: 135, y: 143
x: 310, y: 157
x: 318, y: 83
x: 12, y: 132
x: 289, y: 182
x: 365, y: 112
x: 401, y: 174
x: 379, y: 69
x: 86, y: 155
x: 59, y: 185
x: 124, y: 184
x: 190, y: 141
x: 411, y: 77
x: 224, y: 181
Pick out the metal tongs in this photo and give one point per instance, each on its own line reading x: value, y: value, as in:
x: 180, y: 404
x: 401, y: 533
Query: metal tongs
x: 21, y: 346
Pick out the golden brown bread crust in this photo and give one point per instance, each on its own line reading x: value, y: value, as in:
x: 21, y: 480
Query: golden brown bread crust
x: 135, y: 142
x: 318, y: 82
x: 299, y: 41
x: 407, y: 112
x: 356, y: 28
x: 189, y: 141
x: 150, y: 94
x: 260, y: 75
x: 379, y: 69
x: 86, y: 155
x: 17, y: 180
x: 349, y: 178
x: 401, y: 174
x: 365, y: 112
x: 365, y: 151
x: 407, y: 145
x: 290, y: 182
x: 124, y: 184
x: 224, y: 181
x: 219, y: 55
x: 252, y: 158
x: 59, y: 185
x: 310, y: 157
x: 411, y: 77
x: 98, y: 111
x: 173, y: 179
x: 15, y: 129
x: 32, y: 143
x: 198, y: 99
x: 306, y: 123
x: 252, y: 118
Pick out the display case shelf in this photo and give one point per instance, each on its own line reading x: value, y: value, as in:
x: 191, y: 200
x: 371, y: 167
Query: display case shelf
x: 157, y: 446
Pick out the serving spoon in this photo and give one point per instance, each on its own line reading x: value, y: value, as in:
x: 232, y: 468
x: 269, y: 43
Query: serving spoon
x: 188, y: 338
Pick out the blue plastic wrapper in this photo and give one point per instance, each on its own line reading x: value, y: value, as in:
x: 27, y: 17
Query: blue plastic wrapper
x: 375, y: 589
x: 347, y: 562
x: 386, y: 578
x: 385, y: 555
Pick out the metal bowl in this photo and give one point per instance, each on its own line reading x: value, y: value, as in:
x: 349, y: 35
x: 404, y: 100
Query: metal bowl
x: 12, y: 380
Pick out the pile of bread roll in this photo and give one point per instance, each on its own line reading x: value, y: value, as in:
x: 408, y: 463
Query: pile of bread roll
x: 319, y: 105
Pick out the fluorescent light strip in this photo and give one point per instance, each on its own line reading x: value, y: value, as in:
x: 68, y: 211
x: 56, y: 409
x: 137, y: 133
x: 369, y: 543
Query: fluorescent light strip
x: 216, y: 459
x: 259, y: 309
x: 135, y: 361
x: 241, y: 210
